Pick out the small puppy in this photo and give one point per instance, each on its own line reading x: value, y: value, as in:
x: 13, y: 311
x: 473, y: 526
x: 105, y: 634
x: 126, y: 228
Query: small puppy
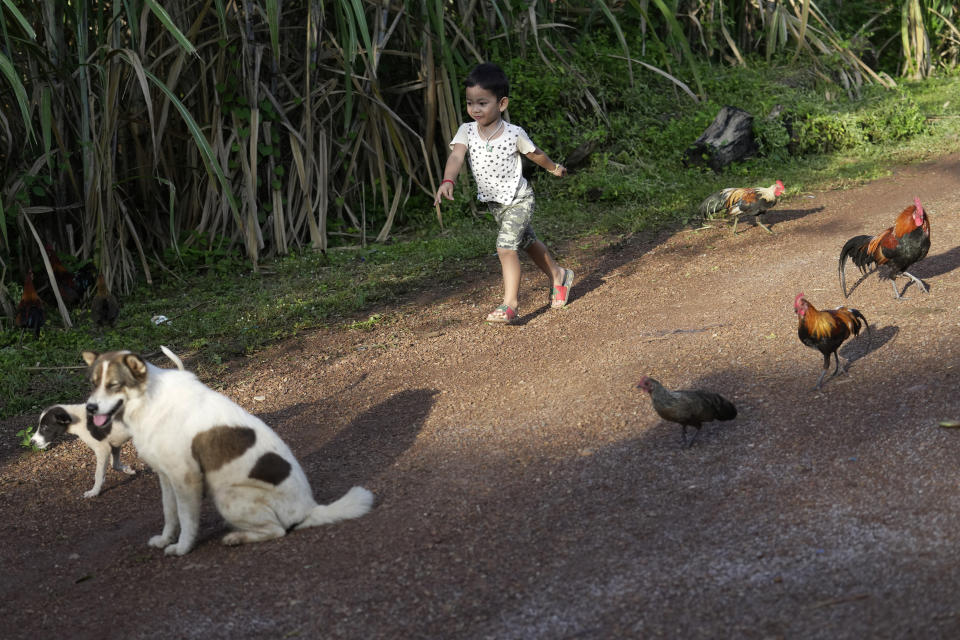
x: 105, y: 440
x: 196, y: 438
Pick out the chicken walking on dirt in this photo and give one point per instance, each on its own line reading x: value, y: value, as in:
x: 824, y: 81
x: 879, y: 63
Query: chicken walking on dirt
x: 826, y: 331
x: 893, y: 250
x: 735, y: 202
x: 30, y: 313
x: 688, y: 408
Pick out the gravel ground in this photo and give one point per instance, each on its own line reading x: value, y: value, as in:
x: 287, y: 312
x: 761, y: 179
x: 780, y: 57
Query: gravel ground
x: 525, y: 489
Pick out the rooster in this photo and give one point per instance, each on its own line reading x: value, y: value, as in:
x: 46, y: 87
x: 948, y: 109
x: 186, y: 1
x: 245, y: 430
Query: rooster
x: 30, y: 313
x: 893, y: 250
x: 85, y: 277
x: 69, y: 290
x: 734, y: 202
x: 688, y: 408
x: 104, y: 308
x: 826, y: 330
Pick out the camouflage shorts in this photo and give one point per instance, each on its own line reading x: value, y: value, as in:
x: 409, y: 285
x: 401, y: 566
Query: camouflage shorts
x: 514, y: 220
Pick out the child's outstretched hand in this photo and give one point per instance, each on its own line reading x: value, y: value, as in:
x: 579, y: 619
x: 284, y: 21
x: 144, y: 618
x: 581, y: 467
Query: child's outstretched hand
x: 445, y: 190
x: 560, y: 171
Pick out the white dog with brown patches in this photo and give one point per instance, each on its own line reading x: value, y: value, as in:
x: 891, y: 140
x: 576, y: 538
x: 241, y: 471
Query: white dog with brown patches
x: 191, y: 435
x: 105, y: 440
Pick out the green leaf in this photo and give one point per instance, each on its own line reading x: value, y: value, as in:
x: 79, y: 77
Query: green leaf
x: 171, y: 27
x: 273, y: 20
x: 6, y: 67
x: 23, y: 22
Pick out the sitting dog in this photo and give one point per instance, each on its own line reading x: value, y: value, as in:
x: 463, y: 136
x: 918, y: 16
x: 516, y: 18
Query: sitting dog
x: 195, y: 437
x: 105, y: 440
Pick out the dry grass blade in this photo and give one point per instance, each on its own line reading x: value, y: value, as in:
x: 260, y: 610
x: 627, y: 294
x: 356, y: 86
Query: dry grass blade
x: 64, y: 314
x: 682, y: 85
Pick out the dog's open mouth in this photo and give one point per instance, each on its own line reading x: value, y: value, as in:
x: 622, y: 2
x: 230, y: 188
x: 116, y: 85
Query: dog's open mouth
x: 102, y: 419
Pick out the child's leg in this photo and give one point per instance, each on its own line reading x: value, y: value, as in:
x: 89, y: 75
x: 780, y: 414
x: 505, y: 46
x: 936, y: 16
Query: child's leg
x: 510, y: 265
x: 562, y: 278
x: 539, y: 253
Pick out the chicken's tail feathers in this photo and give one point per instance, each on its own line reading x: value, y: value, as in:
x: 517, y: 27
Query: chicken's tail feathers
x: 714, y: 204
x: 856, y: 249
x: 723, y: 409
x: 354, y: 503
x: 859, y: 316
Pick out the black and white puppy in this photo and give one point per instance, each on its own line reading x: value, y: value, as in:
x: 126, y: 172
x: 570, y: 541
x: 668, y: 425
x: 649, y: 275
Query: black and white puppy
x: 196, y: 438
x: 105, y: 440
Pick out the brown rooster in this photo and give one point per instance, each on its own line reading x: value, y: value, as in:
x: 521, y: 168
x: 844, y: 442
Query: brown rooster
x: 893, y: 250
x: 69, y: 290
x: 104, y: 308
x: 826, y: 330
x: 688, y: 408
x: 30, y: 313
x: 734, y: 202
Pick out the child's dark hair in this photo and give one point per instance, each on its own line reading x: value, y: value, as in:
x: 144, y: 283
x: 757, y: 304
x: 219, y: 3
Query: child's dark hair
x: 490, y: 77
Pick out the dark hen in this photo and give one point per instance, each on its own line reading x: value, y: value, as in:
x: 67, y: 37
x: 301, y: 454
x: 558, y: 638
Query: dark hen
x: 688, y: 408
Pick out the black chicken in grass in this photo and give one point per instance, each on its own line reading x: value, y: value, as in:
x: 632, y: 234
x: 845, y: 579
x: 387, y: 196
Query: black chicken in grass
x: 69, y: 291
x: 688, y: 408
x: 30, y: 312
x: 104, y: 308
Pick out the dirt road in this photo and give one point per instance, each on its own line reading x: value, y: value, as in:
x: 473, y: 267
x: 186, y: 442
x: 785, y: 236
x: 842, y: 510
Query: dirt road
x: 526, y: 490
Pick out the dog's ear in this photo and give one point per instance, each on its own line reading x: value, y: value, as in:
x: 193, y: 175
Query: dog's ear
x: 89, y: 356
x: 136, y: 365
x: 62, y: 416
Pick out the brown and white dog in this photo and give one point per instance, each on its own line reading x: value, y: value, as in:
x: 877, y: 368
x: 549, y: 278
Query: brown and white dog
x: 105, y: 440
x: 193, y: 436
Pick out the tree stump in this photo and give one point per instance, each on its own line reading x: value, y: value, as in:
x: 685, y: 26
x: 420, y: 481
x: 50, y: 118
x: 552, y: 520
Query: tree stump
x: 729, y: 138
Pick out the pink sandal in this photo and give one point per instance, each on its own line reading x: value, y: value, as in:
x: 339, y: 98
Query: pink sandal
x: 561, y: 292
x: 506, y: 315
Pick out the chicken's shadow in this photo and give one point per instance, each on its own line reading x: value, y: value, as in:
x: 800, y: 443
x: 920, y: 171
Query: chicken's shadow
x: 868, y: 342
x: 776, y: 216
x: 937, y: 265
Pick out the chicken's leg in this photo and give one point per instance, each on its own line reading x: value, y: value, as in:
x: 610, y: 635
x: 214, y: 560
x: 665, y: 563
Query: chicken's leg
x: 757, y: 218
x: 826, y: 367
x: 896, y: 290
x: 917, y: 281
x: 695, y: 435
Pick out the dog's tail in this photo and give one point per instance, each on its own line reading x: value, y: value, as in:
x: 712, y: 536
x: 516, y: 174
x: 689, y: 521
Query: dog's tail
x: 353, y: 504
x: 173, y: 357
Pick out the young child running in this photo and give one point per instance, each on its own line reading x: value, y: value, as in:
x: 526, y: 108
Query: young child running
x: 495, y: 146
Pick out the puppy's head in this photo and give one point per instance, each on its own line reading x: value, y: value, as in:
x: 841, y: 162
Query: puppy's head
x: 54, y: 422
x: 117, y: 378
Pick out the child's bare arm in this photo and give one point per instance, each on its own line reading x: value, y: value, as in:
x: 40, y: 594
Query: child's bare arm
x: 451, y: 171
x: 537, y: 156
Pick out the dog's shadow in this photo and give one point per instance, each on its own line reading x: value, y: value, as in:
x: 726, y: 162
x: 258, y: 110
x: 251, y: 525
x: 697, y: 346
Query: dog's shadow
x: 371, y: 443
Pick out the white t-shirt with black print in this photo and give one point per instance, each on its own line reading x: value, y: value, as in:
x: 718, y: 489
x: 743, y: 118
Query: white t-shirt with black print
x: 497, y: 171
